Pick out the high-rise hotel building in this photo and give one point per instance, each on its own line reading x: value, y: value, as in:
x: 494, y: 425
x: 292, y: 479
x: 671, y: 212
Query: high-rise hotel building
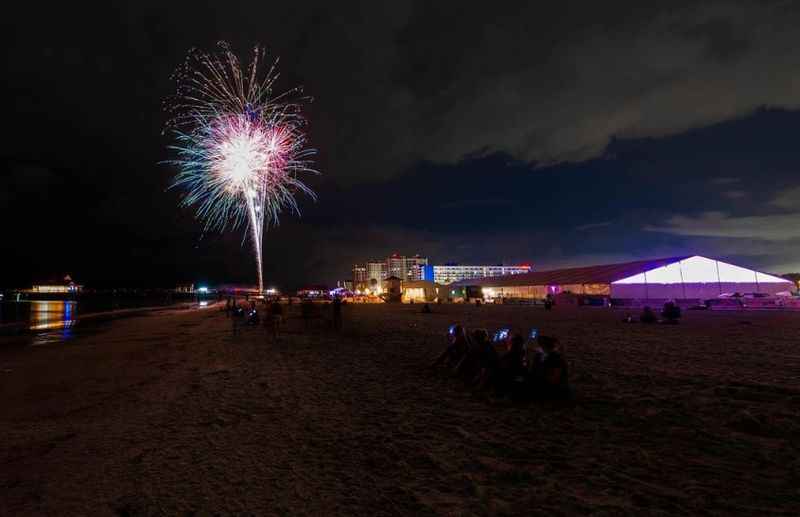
x: 414, y: 268
x: 400, y: 266
x: 360, y: 278
x: 377, y: 272
x: 454, y: 272
x: 406, y: 268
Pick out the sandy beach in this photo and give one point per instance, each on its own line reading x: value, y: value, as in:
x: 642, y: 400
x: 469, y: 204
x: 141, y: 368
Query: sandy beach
x: 170, y: 413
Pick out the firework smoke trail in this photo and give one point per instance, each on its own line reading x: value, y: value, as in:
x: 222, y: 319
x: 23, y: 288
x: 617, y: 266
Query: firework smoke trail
x: 240, y: 149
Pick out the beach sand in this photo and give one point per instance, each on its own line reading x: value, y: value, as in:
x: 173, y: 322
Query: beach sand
x: 171, y: 414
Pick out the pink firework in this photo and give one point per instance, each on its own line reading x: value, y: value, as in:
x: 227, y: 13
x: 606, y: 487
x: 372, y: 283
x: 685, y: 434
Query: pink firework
x: 240, y: 149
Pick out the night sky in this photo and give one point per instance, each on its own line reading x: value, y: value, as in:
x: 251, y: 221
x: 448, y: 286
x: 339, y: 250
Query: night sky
x: 579, y: 133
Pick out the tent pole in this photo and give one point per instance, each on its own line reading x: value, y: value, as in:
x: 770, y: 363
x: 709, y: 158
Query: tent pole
x: 683, y: 285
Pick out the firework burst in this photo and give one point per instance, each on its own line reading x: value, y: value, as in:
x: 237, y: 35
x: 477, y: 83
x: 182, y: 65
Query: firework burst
x: 240, y: 149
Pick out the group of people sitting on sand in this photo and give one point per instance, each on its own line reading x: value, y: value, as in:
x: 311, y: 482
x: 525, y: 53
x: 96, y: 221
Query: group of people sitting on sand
x: 670, y: 314
x: 506, y: 364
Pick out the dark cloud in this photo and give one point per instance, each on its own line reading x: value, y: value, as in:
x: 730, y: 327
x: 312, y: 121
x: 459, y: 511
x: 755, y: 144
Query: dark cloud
x: 418, y: 82
x: 593, y: 226
x: 778, y: 227
x: 512, y: 131
x: 788, y: 199
x: 735, y: 194
x: 724, y: 181
x: 724, y: 38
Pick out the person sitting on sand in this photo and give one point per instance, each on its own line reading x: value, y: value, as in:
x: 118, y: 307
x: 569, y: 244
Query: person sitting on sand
x: 552, y: 382
x: 648, y: 316
x: 456, y: 349
x: 426, y: 309
x: 512, y: 365
x: 536, y: 357
x: 489, y: 361
x: 513, y: 360
x: 469, y: 367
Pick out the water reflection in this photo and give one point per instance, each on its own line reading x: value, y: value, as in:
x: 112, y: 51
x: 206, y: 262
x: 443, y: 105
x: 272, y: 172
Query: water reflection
x: 52, y: 314
x: 55, y: 317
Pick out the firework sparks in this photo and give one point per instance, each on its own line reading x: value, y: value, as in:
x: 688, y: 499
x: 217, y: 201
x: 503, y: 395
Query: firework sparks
x: 240, y: 148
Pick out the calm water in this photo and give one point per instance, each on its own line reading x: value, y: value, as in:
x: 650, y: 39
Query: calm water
x: 48, y: 312
x: 53, y: 321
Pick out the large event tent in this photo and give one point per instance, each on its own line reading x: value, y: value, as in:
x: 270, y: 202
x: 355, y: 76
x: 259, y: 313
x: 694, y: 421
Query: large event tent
x: 687, y: 277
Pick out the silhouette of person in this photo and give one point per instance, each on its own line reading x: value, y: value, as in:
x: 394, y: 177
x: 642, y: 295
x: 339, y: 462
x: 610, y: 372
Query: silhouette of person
x: 337, y: 313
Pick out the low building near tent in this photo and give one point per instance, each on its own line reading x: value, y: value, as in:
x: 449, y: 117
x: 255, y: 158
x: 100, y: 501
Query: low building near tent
x: 392, y: 289
x: 689, y: 278
x: 419, y: 291
x: 462, y: 293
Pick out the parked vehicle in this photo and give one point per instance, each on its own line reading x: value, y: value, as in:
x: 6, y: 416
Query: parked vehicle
x: 732, y: 301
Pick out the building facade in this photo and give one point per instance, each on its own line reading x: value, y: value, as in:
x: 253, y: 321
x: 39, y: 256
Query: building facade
x: 416, y: 268
x: 450, y: 273
x: 419, y: 291
x: 360, y: 277
x: 406, y: 268
x: 62, y: 286
x: 376, y: 273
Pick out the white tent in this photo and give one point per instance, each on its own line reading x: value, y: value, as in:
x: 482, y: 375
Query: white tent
x: 697, y: 277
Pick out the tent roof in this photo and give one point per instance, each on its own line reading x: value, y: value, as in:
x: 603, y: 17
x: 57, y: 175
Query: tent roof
x: 609, y: 273
x: 603, y: 274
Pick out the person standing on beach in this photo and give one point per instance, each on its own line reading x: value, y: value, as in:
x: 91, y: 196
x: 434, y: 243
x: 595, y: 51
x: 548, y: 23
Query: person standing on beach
x: 252, y: 314
x: 275, y: 318
x: 235, y: 317
x: 337, y: 313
